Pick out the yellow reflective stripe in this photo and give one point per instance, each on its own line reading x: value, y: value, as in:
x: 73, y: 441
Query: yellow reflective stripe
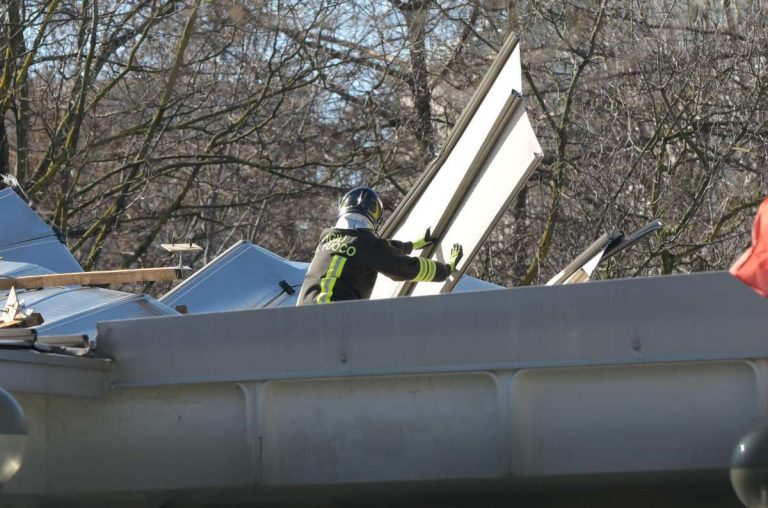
x: 432, y: 268
x: 336, y: 275
x: 324, y: 297
x: 329, y: 281
x: 427, y: 270
x: 325, y: 282
x: 422, y: 270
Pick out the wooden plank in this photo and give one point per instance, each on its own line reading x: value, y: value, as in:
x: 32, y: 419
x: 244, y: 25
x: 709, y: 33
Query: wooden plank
x: 181, y: 247
x: 93, y: 278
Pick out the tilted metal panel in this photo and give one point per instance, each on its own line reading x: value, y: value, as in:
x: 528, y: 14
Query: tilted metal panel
x: 86, y: 321
x: 467, y: 283
x: 25, y: 237
x: 47, y: 252
x: 245, y: 276
x: 21, y: 223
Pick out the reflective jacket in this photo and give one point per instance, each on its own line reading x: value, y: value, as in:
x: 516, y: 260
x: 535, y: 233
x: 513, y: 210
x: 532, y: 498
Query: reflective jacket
x: 347, y: 262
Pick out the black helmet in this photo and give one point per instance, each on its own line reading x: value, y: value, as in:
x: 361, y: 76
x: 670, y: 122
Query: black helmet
x: 362, y: 200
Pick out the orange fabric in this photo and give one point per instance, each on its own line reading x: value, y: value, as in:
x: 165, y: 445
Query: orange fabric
x: 752, y: 267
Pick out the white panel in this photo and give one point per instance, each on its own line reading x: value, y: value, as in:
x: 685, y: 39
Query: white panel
x: 505, y: 172
x: 433, y: 202
x: 632, y: 418
x: 582, y: 274
x: 381, y: 429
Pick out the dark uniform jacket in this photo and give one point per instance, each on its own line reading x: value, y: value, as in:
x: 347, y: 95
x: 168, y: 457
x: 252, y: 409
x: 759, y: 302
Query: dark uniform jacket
x: 347, y: 262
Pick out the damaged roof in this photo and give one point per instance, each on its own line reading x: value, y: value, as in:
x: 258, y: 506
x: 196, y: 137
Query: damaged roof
x: 247, y: 276
x: 29, y: 246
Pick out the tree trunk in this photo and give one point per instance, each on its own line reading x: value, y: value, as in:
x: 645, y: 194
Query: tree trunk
x: 416, y: 17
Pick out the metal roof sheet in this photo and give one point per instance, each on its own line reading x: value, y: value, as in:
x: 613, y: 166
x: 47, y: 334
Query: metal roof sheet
x: 26, y: 237
x: 245, y: 276
x: 77, y: 309
x: 17, y: 269
x: 467, y: 284
x: 48, y: 252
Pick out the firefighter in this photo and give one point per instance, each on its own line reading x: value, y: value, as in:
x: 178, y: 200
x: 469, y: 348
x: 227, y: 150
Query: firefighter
x: 350, y: 255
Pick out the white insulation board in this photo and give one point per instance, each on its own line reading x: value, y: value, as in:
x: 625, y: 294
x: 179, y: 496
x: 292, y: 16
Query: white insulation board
x: 503, y: 173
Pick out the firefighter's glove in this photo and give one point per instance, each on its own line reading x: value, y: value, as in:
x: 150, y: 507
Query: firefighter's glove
x: 457, y: 252
x: 424, y: 241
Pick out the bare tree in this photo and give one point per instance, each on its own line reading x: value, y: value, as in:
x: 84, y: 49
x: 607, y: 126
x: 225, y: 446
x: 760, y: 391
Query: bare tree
x: 144, y: 121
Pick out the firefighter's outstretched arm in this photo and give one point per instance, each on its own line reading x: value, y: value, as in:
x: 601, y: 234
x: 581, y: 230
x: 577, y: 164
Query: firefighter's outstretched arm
x: 400, y: 267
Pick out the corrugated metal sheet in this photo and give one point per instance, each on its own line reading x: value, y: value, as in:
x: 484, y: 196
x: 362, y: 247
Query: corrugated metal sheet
x: 77, y: 309
x: 27, y: 238
x: 245, y: 276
